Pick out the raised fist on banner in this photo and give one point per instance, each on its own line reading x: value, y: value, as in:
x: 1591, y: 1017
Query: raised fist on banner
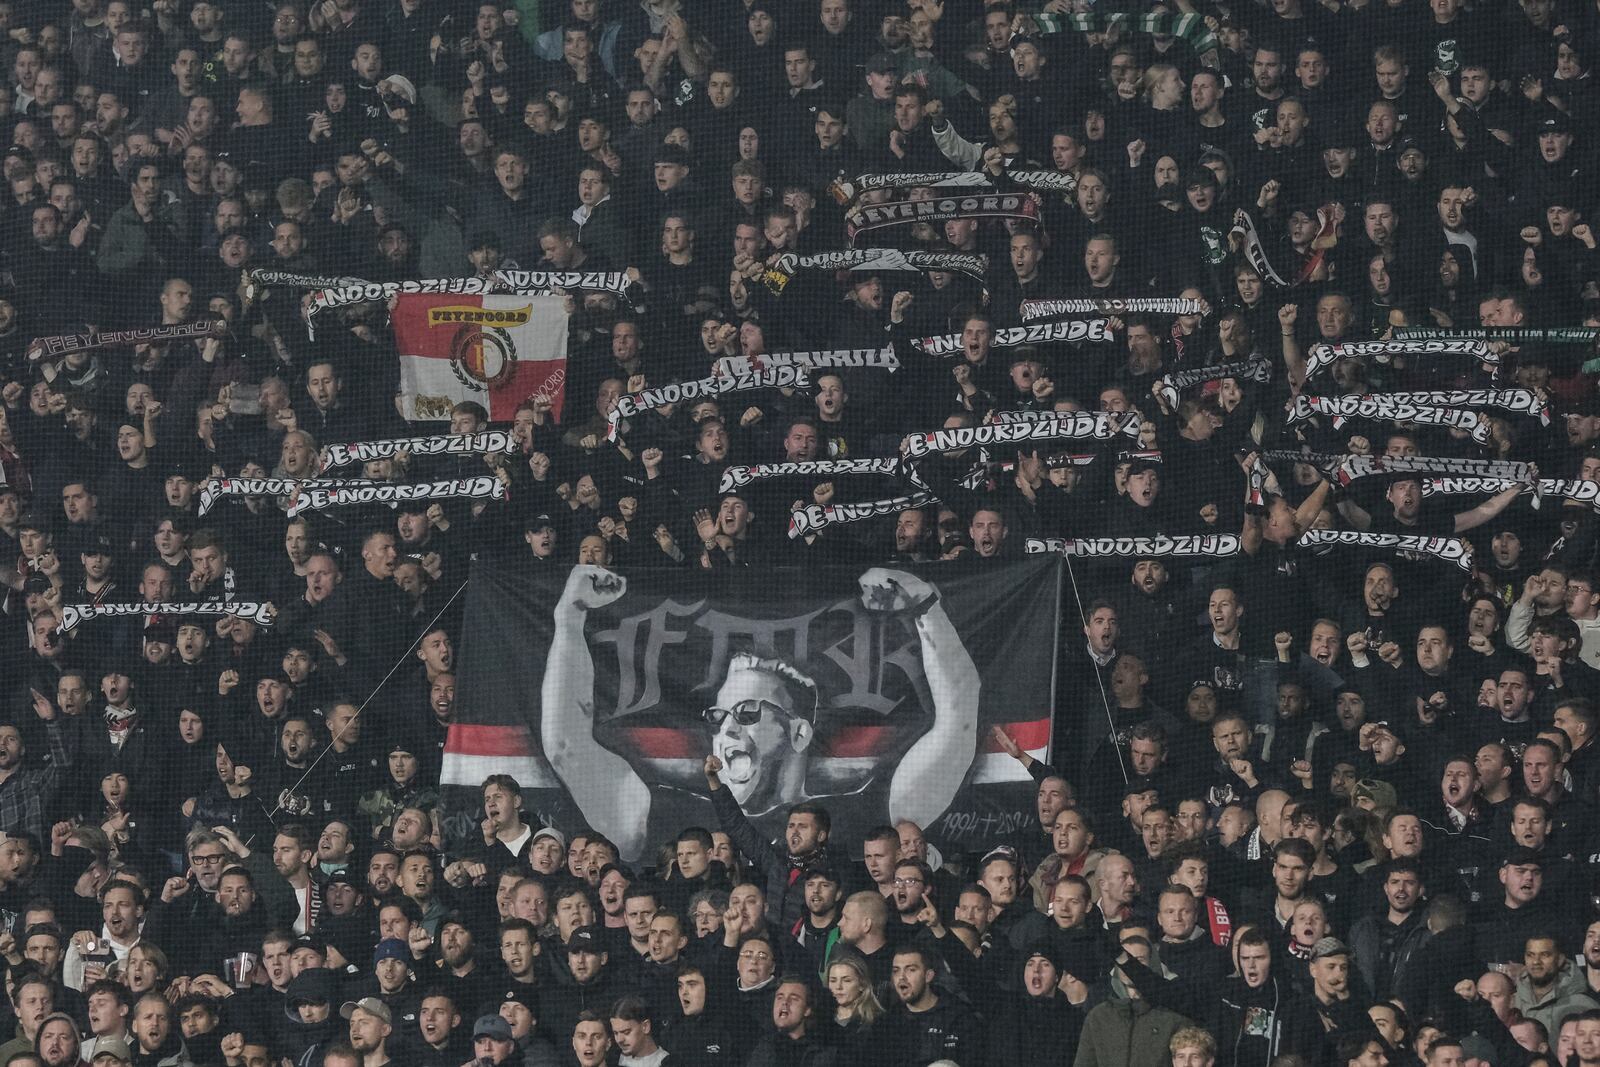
x: 590, y: 587
x: 883, y: 589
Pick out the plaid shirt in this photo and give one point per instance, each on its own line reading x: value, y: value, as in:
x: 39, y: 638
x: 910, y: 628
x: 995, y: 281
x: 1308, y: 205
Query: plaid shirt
x: 25, y: 795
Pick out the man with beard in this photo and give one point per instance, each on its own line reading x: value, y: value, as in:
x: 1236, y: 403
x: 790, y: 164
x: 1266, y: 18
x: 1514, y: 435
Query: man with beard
x: 927, y: 1026
x: 370, y: 1029
x: 823, y: 907
x: 346, y: 922
x: 1385, y: 944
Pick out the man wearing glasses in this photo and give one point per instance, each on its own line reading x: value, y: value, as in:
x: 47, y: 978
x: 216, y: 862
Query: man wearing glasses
x: 762, y: 724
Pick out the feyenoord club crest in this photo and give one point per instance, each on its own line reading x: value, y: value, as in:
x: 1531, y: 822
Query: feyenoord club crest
x: 483, y: 353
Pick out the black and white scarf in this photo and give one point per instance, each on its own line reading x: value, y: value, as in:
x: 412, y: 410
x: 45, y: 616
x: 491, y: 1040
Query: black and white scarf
x: 444, y: 444
x: 739, y: 476
x: 1160, y: 545
x: 1514, y: 335
x: 1071, y: 331
x: 1325, y: 355
x: 1411, y: 546
x: 1351, y: 468
x: 1065, y: 425
x: 62, y: 344
x: 814, y: 517
x: 507, y: 282
x: 864, y: 218
x: 708, y: 388
x: 1250, y: 370
x: 259, y: 612
x: 1520, y: 401
x: 1133, y: 305
x: 1583, y: 492
x: 783, y: 267
x: 324, y: 495
x: 841, y: 358
x: 214, y: 489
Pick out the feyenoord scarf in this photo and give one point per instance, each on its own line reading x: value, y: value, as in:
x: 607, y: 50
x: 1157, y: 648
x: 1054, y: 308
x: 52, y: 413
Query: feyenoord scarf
x: 1066, y: 425
x: 864, y: 218
x: 1072, y: 331
x: 814, y: 517
x: 1133, y: 305
x: 1521, y: 401
x: 62, y: 343
x: 444, y: 444
x: 1250, y: 370
x: 703, y: 389
x: 1411, y: 546
x: 323, y: 495
x: 259, y: 612
x: 1323, y: 461
x: 784, y: 267
x: 256, y: 280
x: 1351, y: 468
x: 214, y: 489
x: 736, y: 477
x: 1190, y: 28
x: 839, y: 358
x: 1388, y: 409
x: 1044, y: 181
x: 1514, y: 335
x: 1215, y: 545
x: 1326, y: 355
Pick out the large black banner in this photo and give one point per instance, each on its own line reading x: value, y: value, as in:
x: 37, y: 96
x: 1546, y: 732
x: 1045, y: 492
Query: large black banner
x: 872, y: 690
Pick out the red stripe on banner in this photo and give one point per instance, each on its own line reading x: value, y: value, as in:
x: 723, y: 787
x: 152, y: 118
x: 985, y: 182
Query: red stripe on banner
x: 858, y: 741
x: 1029, y: 736
x: 665, y: 742
x: 477, y: 739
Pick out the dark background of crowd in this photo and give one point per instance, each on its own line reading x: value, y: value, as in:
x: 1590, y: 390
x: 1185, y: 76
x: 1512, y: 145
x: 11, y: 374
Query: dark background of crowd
x: 1304, y: 810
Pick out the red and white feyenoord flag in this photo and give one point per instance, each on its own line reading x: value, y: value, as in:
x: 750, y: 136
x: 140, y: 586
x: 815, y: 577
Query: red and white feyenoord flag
x: 497, y: 350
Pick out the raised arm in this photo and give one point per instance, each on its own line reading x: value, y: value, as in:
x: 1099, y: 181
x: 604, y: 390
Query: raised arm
x: 614, y: 799
x: 1476, y: 517
x: 927, y: 779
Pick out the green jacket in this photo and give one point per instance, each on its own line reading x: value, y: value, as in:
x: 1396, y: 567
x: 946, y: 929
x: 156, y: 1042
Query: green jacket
x: 1127, y: 1033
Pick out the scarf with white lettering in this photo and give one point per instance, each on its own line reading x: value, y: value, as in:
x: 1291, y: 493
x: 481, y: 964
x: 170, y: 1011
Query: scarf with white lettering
x: 1325, y: 355
x: 784, y: 267
x: 814, y: 517
x: 1133, y: 305
x: 214, y: 489
x: 509, y: 282
x: 1065, y: 425
x: 325, y: 495
x: 1350, y: 468
x: 864, y: 218
x: 737, y: 477
x: 260, y: 613
x: 61, y: 344
x: 444, y: 444
x: 1159, y: 545
x: 790, y: 377
x: 1514, y: 335
x: 1410, y: 546
x: 1250, y: 370
x: 1037, y: 179
x: 840, y: 358
x: 1584, y: 492
x: 1072, y: 331
x: 1520, y: 401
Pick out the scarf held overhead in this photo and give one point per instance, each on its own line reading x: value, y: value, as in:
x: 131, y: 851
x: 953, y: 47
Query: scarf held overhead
x: 1412, y: 546
x: 1217, y: 545
x: 324, y: 495
x: 738, y: 476
x: 261, y: 613
x: 444, y: 444
x: 1069, y: 425
x: 1326, y: 355
x: 790, y: 377
x: 62, y: 343
x: 1133, y: 305
x: 864, y: 218
x: 783, y: 268
x: 1072, y: 331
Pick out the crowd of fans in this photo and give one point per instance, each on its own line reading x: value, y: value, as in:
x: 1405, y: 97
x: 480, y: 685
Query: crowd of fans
x: 1303, y: 809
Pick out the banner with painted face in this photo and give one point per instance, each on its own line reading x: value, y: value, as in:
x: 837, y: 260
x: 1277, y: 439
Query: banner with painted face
x: 602, y: 693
